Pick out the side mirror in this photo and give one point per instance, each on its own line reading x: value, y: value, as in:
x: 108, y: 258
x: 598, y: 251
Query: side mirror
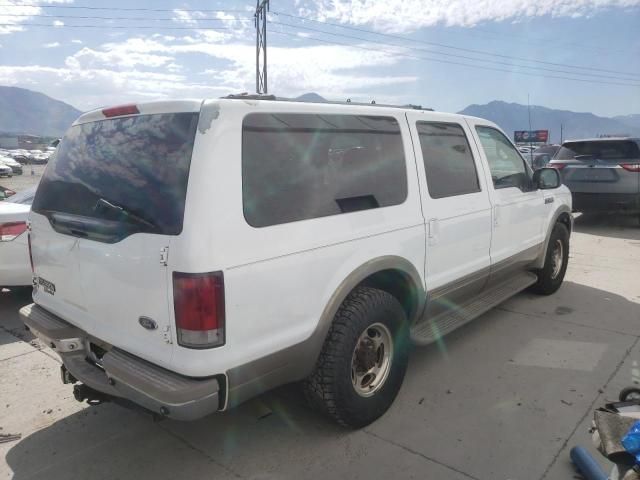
x: 546, y: 178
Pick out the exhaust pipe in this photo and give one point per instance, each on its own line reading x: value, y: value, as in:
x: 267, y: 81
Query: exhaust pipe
x: 82, y: 392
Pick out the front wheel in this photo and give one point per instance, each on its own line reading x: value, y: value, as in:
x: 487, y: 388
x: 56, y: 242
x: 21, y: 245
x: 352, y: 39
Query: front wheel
x: 363, y: 359
x: 551, y: 275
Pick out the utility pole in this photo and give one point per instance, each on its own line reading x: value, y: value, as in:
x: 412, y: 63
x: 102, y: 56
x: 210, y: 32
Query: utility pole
x: 530, y: 139
x: 260, y: 19
x: 561, y: 132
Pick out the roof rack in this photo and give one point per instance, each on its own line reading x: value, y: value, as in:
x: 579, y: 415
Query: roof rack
x: 259, y: 96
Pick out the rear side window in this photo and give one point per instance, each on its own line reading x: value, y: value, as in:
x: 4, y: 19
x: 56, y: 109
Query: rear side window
x: 131, y: 170
x: 604, y: 150
x: 448, y: 161
x: 302, y: 166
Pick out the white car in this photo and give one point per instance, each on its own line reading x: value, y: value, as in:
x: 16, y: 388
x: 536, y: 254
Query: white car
x: 5, y: 170
x: 15, y: 268
x: 16, y: 167
x: 189, y: 255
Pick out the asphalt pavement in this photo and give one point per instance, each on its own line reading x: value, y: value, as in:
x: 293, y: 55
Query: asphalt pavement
x: 504, y: 397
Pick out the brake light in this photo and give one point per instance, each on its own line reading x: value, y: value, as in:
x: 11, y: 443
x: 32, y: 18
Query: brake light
x: 120, y: 111
x: 198, y: 302
x: 631, y: 167
x: 557, y: 166
x: 30, y: 254
x: 11, y: 230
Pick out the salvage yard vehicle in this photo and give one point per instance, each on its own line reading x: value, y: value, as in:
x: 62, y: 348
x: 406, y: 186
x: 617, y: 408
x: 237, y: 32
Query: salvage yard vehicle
x: 5, y: 170
x: 190, y: 255
x: 603, y: 174
x: 15, y: 270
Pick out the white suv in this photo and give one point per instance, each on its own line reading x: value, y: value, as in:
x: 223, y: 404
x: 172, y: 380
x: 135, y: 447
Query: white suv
x: 189, y: 255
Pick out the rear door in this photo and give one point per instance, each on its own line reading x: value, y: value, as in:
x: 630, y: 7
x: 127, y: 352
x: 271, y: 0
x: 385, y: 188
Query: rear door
x: 103, y: 219
x: 456, y: 208
x: 598, y: 166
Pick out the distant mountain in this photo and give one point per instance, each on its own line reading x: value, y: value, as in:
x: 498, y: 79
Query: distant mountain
x: 631, y: 120
x: 513, y: 116
x: 25, y: 111
x: 311, y: 97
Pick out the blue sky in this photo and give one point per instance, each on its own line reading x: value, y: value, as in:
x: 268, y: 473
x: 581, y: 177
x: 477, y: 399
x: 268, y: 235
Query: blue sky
x: 509, y: 48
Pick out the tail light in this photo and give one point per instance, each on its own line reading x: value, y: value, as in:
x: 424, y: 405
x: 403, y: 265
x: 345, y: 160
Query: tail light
x: 198, y: 302
x: 557, y: 166
x: 9, y: 231
x: 120, y: 111
x: 631, y: 167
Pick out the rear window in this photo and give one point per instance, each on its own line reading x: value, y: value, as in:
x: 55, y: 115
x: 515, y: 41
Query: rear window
x: 604, y: 150
x: 302, y: 166
x: 138, y: 165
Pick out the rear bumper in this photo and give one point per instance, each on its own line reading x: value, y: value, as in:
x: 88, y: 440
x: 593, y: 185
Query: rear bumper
x: 606, y: 202
x: 123, y: 375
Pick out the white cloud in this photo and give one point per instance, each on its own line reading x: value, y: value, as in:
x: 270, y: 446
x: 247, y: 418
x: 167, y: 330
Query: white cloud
x: 131, y: 53
x: 187, y: 17
x: 21, y: 12
x: 408, y: 15
x: 51, y: 45
x: 58, y: 23
x: 77, y: 42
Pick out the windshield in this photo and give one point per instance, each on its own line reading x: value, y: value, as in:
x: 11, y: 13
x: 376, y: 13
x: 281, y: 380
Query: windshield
x: 139, y: 164
x: 603, y: 150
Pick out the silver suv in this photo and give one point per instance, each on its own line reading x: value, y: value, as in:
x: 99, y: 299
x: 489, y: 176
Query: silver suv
x: 603, y: 174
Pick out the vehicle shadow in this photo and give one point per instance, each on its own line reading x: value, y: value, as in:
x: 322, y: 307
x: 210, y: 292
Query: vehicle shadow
x: 276, y: 436
x: 608, y: 225
x: 10, y: 303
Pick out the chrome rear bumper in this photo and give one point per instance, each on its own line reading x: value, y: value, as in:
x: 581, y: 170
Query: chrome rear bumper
x: 123, y: 375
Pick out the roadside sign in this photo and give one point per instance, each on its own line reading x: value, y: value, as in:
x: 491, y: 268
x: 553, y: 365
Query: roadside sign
x: 534, y: 136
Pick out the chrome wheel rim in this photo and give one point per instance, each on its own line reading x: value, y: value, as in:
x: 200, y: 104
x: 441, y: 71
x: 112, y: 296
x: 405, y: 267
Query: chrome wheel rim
x: 371, y: 360
x: 557, y: 257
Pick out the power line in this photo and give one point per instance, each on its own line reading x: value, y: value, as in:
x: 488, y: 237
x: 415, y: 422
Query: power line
x: 91, y: 17
x: 439, y: 60
x: 443, y: 45
x: 49, y: 25
x: 116, y: 9
x: 453, y: 55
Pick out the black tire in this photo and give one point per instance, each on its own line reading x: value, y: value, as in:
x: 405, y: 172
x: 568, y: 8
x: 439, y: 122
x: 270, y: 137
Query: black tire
x: 330, y: 389
x: 549, y: 283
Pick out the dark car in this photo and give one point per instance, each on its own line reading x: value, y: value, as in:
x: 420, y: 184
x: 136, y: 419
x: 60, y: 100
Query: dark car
x: 543, y: 155
x: 603, y: 174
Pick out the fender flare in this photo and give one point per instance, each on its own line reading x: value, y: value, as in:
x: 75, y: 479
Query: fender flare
x: 562, y: 209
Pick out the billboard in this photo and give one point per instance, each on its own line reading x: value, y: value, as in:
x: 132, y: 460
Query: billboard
x: 533, y: 136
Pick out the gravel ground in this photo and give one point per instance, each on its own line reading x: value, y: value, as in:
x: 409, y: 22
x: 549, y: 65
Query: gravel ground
x: 26, y: 180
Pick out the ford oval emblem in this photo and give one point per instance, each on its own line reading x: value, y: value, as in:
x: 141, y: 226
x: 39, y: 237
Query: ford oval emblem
x: 148, y: 323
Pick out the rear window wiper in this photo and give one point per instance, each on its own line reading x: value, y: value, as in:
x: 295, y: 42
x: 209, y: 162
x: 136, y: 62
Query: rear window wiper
x: 106, y: 205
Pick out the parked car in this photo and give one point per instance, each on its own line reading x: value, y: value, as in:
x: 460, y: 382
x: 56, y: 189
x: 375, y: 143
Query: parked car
x: 541, y: 156
x: 5, y: 170
x: 15, y: 268
x: 5, y: 193
x: 39, y: 158
x: 16, y: 168
x: 204, y: 252
x: 603, y: 174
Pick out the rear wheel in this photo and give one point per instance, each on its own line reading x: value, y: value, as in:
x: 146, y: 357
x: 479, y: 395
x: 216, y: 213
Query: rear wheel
x: 551, y: 275
x: 363, y: 360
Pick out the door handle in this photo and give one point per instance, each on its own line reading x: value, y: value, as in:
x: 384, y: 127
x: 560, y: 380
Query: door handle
x: 549, y: 200
x: 432, y: 232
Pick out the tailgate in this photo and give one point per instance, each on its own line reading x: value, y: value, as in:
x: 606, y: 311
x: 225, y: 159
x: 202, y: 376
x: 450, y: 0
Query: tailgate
x: 103, y: 219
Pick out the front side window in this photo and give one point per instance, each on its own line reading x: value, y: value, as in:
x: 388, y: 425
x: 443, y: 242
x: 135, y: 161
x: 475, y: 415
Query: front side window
x: 507, y: 166
x: 448, y: 161
x: 302, y: 166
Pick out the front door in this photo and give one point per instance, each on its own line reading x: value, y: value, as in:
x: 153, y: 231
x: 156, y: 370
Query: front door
x: 518, y: 207
x: 456, y: 208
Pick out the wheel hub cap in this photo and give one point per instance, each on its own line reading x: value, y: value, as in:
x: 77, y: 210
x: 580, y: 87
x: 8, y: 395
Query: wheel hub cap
x: 371, y: 360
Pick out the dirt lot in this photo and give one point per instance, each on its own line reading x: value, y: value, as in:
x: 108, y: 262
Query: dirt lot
x: 504, y: 398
